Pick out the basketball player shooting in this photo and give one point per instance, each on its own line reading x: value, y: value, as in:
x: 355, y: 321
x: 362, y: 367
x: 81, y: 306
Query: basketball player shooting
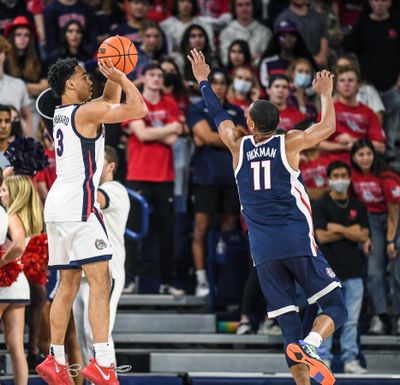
x: 276, y: 208
x: 76, y: 232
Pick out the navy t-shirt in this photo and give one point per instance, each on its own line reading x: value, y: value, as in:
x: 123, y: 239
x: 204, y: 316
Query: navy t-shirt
x: 212, y: 165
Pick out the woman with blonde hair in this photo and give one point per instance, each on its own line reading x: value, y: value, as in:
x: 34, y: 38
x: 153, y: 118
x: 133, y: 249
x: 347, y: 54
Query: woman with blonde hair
x: 22, y: 204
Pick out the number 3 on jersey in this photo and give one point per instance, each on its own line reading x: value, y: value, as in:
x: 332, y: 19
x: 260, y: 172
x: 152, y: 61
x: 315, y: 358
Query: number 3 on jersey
x: 263, y: 167
x: 60, y: 144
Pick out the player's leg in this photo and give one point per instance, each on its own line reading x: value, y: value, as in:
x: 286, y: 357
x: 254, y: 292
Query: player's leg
x: 278, y: 287
x: 13, y: 319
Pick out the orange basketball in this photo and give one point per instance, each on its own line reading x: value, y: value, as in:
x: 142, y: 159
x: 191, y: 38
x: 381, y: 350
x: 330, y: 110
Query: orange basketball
x: 122, y: 52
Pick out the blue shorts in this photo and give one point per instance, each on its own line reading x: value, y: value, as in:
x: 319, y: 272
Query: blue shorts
x: 277, y: 280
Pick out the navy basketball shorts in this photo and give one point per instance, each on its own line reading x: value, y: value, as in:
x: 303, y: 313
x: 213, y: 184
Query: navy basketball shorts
x: 277, y: 280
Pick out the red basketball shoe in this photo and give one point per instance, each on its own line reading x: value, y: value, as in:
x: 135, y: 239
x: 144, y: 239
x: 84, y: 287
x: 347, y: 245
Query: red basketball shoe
x: 52, y: 372
x: 100, y: 375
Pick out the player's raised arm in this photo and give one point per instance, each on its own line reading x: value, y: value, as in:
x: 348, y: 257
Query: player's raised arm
x: 300, y: 140
x: 229, y: 133
x: 106, y: 109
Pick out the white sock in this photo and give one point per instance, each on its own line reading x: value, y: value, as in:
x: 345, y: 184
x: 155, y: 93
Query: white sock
x: 104, y: 354
x: 313, y: 339
x: 58, y: 352
x: 201, y: 277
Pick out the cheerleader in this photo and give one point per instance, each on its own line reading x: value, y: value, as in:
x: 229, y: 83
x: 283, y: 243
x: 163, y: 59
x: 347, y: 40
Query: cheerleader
x: 24, y: 219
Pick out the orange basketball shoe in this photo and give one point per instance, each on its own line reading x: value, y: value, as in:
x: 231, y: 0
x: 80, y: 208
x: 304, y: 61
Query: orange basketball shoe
x: 52, y: 372
x: 100, y: 375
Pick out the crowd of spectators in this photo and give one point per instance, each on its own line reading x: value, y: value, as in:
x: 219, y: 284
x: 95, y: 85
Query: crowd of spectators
x: 174, y: 156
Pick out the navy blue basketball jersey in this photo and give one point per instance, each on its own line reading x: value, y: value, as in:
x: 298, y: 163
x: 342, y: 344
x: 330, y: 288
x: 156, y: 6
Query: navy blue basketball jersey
x: 274, y: 201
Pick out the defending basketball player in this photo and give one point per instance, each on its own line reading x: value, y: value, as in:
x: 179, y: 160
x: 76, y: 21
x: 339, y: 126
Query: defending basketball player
x: 276, y: 208
x: 76, y: 231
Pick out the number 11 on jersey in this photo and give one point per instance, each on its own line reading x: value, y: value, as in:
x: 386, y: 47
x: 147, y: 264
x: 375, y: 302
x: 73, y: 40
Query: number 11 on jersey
x: 258, y: 168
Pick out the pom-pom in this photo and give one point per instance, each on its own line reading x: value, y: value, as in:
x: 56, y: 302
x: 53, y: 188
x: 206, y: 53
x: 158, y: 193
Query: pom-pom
x: 10, y: 272
x: 35, y: 260
x: 27, y: 156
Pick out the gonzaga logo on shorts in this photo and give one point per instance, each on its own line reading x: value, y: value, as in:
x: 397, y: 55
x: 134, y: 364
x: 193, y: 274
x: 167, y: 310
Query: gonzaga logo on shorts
x: 330, y: 272
x: 100, y: 244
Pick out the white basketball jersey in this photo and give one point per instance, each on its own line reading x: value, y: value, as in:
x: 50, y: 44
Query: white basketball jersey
x: 116, y: 214
x: 79, y: 163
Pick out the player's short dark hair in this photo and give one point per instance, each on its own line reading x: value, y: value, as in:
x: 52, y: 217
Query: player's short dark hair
x: 60, y: 72
x: 153, y: 65
x: 274, y: 78
x: 265, y: 115
x: 335, y: 165
x: 111, y: 155
x: 5, y: 108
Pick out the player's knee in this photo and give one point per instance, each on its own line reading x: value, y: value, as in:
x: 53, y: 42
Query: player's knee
x: 334, y: 306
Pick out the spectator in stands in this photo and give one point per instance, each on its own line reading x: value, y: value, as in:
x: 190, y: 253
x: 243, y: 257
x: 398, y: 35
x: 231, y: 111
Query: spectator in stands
x: 19, y: 98
x: 244, y: 88
x: 183, y: 15
x: 312, y: 26
x: 214, y: 190
x: 341, y: 223
x: 194, y: 36
x: 23, y: 61
x: 136, y: 15
x: 244, y: 27
x: 379, y: 189
x: 58, y: 13
x: 350, y: 12
x: 354, y: 120
x: 173, y: 86
x: 238, y: 55
x: 285, y: 46
x: 151, y: 170
x: 72, y: 44
x: 278, y: 93
x: 107, y: 17
x: 301, y: 74
x: 16, y: 128
x: 5, y: 134
x: 216, y: 13
x: 19, y: 197
x: 375, y: 39
x: 160, y: 10
x: 9, y: 10
x: 151, y: 49
x: 367, y: 93
x: 313, y: 167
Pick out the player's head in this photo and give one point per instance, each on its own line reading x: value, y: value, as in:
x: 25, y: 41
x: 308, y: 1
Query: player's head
x: 5, y: 122
x: 263, y: 117
x: 339, y: 175
x: 153, y: 76
x: 19, y: 196
x: 66, y: 76
x: 110, y: 166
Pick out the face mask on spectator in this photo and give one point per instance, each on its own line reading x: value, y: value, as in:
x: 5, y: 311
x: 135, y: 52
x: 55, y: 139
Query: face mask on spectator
x: 302, y: 80
x: 241, y: 85
x: 339, y: 185
x: 170, y: 79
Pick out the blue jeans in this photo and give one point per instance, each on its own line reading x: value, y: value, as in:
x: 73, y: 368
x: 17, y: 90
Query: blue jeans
x: 391, y: 118
x: 353, y: 291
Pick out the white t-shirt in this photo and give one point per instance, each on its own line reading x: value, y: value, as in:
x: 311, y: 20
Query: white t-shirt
x: 368, y: 95
x: 13, y: 92
x: 3, y: 225
x: 116, y: 214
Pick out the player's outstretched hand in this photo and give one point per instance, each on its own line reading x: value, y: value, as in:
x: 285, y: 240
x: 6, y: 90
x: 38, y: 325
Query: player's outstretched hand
x: 200, y: 68
x: 323, y: 82
x: 108, y: 69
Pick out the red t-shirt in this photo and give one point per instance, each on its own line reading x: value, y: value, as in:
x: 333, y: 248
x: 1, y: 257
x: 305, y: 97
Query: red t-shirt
x: 289, y: 118
x: 314, y: 172
x: 375, y: 192
x: 242, y: 103
x: 358, y: 122
x: 152, y: 161
x: 48, y: 175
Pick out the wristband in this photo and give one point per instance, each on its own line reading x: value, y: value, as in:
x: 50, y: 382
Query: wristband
x: 390, y: 242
